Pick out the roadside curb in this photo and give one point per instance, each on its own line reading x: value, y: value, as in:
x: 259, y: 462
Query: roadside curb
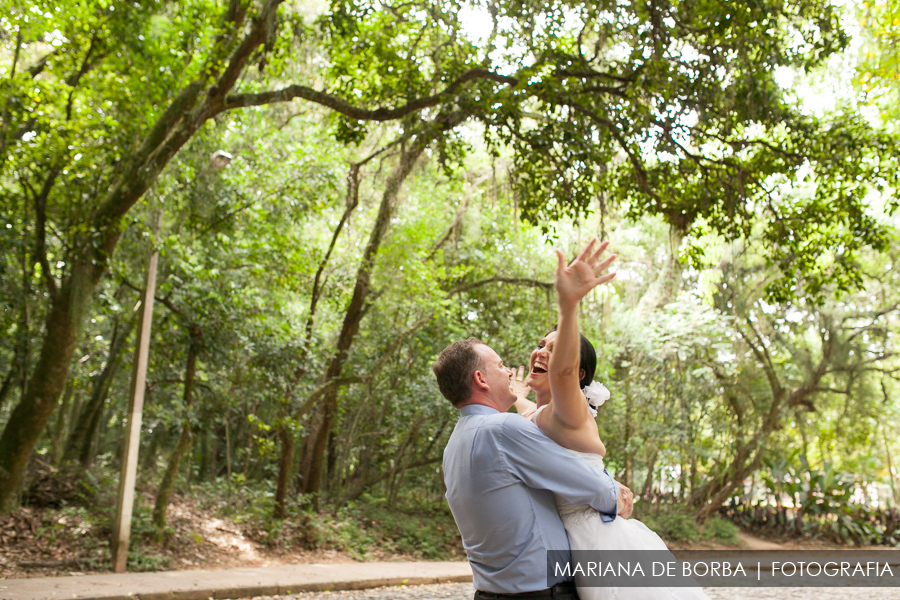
x: 234, y: 583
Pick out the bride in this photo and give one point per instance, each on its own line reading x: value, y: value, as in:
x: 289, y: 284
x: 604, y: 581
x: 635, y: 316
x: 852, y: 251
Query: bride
x: 561, y: 370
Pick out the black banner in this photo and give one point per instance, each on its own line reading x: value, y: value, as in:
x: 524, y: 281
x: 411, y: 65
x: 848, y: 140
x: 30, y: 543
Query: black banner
x: 728, y: 568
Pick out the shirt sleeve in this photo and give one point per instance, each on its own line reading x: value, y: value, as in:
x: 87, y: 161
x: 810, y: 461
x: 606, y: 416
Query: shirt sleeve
x: 541, y: 463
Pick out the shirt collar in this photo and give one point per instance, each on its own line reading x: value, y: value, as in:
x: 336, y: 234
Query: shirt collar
x: 477, y: 409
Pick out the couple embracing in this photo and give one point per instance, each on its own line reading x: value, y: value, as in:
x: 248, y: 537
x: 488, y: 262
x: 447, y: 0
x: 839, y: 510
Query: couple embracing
x: 520, y: 485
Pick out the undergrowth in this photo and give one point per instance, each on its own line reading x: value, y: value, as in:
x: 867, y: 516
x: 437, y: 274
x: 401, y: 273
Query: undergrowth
x: 677, y: 523
x: 417, y: 525
x: 366, y: 529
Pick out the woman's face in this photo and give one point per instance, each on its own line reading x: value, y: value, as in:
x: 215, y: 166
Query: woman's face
x: 538, y: 365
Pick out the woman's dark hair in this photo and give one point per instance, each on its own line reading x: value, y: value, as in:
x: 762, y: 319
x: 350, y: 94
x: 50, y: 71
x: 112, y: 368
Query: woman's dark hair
x: 588, y: 360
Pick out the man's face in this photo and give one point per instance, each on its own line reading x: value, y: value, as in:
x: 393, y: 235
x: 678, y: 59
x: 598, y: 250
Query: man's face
x: 497, y: 376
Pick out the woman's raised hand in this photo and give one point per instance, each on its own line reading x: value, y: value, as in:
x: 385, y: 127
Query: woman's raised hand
x: 573, y: 282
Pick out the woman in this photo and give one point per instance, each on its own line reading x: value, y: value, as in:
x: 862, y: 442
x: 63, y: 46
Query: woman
x: 561, y: 369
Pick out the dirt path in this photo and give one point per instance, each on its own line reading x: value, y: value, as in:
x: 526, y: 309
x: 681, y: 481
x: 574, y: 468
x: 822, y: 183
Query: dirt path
x: 754, y: 543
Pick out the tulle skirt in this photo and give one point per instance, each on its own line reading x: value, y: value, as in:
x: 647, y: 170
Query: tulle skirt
x: 587, y: 531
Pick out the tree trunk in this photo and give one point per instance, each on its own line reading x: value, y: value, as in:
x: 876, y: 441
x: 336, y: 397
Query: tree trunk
x: 748, y: 456
x: 306, y: 450
x: 355, y: 310
x: 693, y: 474
x: 213, y: 454
x: 7, y: 383
x: 317, y: 462
x: 629, y: 454
x: 895, y: 490
x: 30, y: 416
x: 59, y: 429
x: 727, y: 488
x: 203, y: 469
x: 167, y: 485
x: 227, y: 452
x: 81, y: 441
x: 284, y: 470
x: 648, y: 481
x: 665, y: 287
x: 23, y: 329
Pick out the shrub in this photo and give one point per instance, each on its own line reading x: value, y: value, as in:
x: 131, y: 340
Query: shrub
x: 721, y: 530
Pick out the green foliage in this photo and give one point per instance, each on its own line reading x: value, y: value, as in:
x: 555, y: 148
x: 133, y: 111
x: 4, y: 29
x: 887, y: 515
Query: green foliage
x: 879, y: 67
x: 721, y: 530
x: 366, y: 529
x: 816, y: 492
x: 678, y: 523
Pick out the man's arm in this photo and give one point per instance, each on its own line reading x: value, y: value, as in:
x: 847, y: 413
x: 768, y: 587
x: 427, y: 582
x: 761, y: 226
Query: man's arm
x: 541, y: 463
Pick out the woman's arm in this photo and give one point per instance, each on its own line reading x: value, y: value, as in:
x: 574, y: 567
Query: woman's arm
x: 523, y: 404
x: 521, y: 390
x: 573, y: 282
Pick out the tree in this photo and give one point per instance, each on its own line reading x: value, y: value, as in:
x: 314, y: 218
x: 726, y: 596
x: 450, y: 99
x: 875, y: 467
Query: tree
x: 162, y: 125
x: 879, y: 69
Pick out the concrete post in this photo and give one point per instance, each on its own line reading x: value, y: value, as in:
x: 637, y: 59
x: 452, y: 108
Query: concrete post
x: 125, y: 503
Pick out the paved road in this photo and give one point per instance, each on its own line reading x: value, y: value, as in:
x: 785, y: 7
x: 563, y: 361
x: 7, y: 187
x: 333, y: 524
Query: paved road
x: 464, y: 591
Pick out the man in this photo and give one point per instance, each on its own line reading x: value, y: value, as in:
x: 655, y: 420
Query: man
x: 501, y: 473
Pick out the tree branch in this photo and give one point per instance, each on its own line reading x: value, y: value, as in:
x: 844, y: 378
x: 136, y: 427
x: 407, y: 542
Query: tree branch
x: 164, y: 301
x: 763, y: 357
x: 345, y: 108
x: 178, y: 123
x: 86, y: 65
x: 591, y: 74
x: 511, y: 280
x: 633, y: 158
x: 321, y: 390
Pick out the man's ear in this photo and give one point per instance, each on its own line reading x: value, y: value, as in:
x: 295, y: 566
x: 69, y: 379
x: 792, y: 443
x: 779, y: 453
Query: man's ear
x: 480, y: 380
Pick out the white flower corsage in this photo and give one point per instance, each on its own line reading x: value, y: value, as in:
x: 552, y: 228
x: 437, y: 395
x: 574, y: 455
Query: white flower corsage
x: 596, y: 395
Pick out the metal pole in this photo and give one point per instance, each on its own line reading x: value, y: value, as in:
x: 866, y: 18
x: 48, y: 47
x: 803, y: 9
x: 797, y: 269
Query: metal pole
x: 125, y: 503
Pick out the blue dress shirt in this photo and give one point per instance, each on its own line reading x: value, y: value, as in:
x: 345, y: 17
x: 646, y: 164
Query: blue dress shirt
x: 501, y: 472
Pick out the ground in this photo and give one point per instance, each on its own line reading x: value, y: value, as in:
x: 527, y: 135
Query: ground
x: 51, y: 542
x: 464, y: 591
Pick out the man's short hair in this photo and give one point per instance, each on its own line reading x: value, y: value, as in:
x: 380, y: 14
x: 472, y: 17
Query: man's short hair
x: 455, y: 367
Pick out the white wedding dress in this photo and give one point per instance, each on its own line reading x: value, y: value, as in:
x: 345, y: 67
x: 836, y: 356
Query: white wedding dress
x: 587, y: 531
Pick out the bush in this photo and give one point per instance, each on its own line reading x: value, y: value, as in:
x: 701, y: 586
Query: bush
x: 140, y: 561
x: 677, y: 523
x: 721, y: 531
x: 673, y: 525
x: 365, y: 528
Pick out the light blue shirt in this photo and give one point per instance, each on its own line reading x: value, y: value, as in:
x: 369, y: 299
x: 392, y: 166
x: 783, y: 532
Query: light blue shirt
x: 501, y: 473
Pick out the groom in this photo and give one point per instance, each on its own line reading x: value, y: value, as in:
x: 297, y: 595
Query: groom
x: 501, y: 473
